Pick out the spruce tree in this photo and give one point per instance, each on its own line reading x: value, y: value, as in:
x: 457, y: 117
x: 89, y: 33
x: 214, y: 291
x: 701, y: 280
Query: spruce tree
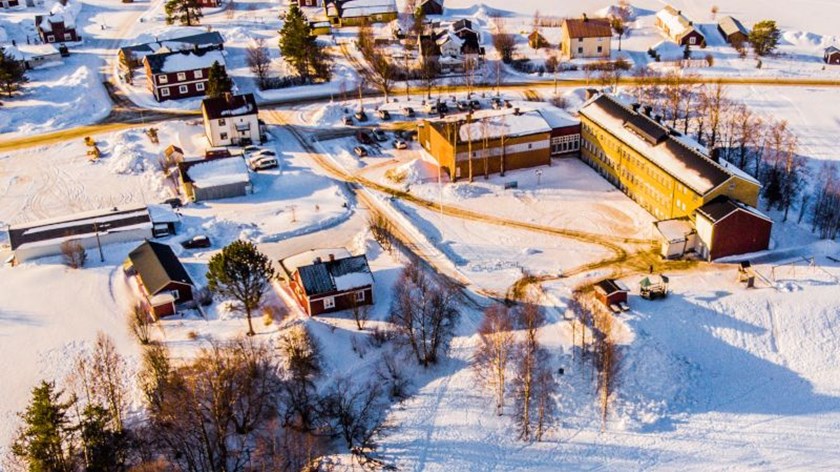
x: 185, y: 12
x: 218, y: 81
x: 300, y: 48
x: 764, y: 37
x: 12, y: 73
x: 104, y: 448
x: 44, y: 441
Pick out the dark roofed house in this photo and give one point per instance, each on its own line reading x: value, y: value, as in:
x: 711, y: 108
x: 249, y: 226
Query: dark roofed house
x: 161, y: 277
x: 727, y: 227
x: 431, y: 7
x: 132, y: 56
x: 831, y: 55
x: 329, y: 280
x: 733, y: 31
x: 613, y: 294
x: 231, y: 120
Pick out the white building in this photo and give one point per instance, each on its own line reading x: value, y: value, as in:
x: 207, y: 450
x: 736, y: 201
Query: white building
x: 231, y: 120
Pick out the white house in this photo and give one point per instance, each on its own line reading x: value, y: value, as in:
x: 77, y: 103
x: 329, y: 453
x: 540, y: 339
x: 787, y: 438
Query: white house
x: 231, y: 120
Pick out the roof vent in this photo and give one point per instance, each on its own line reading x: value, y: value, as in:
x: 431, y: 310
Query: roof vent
x: 332, y: 257
x: 636, y: 107
x: 585, y: 18
x: 317, y: 260
x: 648, y: 109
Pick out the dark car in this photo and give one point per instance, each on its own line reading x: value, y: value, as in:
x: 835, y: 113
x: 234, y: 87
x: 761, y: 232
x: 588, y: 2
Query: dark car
x: 463, y: 105
x: 508, y: 104
x: 380, y: 135
x: 496, y: 103
x: 475, y: 105
x: 384, y: 115
x: 409, y: 112
x: 408, y: 134
x: 360, y: 151
x: 442, y: 107
x: 361, y: 115
x: 364, y: 137
x: 348, y: 120
x: 196, y: 242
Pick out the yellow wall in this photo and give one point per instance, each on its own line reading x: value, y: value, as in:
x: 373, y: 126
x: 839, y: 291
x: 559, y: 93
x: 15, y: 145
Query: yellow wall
x: 569, y: 46
x: 737, y: 188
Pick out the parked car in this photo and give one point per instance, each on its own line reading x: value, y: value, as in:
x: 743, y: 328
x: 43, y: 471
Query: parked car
x: 380, y: 135
x: 508, y: 104
x: 496, y: 103
x: 264, y: 152
x: 475, y: 105
x: 360, y: 151
x: 360, y: 115
x: 443, y: 107
x: 251, y: 148
x: 409, y: 112
x: 200, y: 241
x: 431, y: 108
x: 174, y: 202
x: 263, y: 162
x: 348, y: 120
x: 364, y: 137
x: 383, y: 115
x: 400, y: 144
x: 463, y: 105
x: 407, y: 134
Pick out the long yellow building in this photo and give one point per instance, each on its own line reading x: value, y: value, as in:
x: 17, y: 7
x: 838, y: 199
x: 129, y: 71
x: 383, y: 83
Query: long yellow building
x: 668, y: 174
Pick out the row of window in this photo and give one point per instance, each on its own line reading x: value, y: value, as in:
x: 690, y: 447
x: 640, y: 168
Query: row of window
x: 561, y: 144
x: 182, y: 76
x: 329, y: 302
x: 182, y: 89
x: 67, y: 37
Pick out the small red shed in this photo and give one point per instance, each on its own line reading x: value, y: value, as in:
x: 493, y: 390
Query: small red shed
x: 613, y: 294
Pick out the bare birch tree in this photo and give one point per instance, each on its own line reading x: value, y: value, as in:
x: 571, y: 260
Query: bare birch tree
x: 494, y: 351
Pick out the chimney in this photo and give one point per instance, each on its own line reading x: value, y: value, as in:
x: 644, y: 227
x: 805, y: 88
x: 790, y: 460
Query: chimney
x: 317, y: 260
x: 648, y: 109
x: 585, y: 18
x: 228, y: 98
x: 658, y: 118
x: 636, y: 107
x: 332, y: 257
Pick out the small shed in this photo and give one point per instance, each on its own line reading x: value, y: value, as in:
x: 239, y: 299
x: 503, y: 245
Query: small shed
x: 613, y: 294
x: 831, y: 55
x: 733, y: 31
x: 677, y: 237
x: 215, y: 179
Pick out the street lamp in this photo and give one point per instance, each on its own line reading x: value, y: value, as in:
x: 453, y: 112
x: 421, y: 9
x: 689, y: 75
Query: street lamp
x: 539, y: 176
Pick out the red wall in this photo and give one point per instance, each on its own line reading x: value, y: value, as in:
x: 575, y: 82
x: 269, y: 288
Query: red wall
x: 740, y: 233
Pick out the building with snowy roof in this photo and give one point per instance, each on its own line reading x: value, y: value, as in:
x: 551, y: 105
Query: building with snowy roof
x: 91, y: 228
x: 678, y: 28
x: 132, y: 56
x: 329, y: 280
x: 831, y: 55
x: 495, y: 141
x: 733, y: 31
x: 59, y: 25
x: 161, y: 277
x: 180, y: 74
x: 34, y: 56
x: 668, y: 174
x: 231, y: 120
x: 357, y: 12
x: 214, y: 179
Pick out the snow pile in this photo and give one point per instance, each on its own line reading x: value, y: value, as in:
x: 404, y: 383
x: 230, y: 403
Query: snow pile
x: 628, y: 13
x: 231, y: 170
x: 128, y: 157
x: 413, y: 172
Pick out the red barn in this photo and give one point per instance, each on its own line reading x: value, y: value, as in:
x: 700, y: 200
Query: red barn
x: 329, y: 280
x: 612, y: 293
x: 162, y: 278
x: 727, y: 227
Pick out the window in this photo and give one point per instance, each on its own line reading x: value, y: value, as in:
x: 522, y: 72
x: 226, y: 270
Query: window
x: 182, y: 76
x: 175, y: 294
x: 600, y: 49
x: 360, y: 296
x: 199, y: 86
x: 222, y: 122
x: 68, y: 37
x: 199, y: 74
x: 50, y: 38
x: 223, y: 136
x: 580, y: 50
x: 692, y: 40
x: 580, y: 40
x: 329, y: 302
x: 183, y: 89
x: 164, y: 92
x: 162, y: 79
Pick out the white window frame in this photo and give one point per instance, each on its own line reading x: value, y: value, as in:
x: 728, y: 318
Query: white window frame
x: 223, y: 136
x: 163, y: 79
x: 68, y: 36
x: 329, y: 302
x: 183, y: 89
x: 199, y: 74
x: 164, y: 92
x: 359, y: 296
x: 175, y: 294
x: 221, y: 121
x: 199, y: 86
x: 182, y: 76
x: 692, y: 40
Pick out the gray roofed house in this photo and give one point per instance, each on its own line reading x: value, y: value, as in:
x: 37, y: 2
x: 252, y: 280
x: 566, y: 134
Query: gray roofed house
x: 163, y: 279
x: 132, y: 56
x: 733, y: 31
x: 329, y: 280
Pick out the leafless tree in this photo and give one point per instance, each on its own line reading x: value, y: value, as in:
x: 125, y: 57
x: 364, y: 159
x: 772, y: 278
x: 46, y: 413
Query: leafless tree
x: 258, y: 59
x: 647, y: 89
x: 424, y: 313
x: 155, y: 372
x: 504, y: 42
x: 428, y: 71
x: 714, y: 11
x: 606, y: 361
x: 110, y: 372
x: 73, y: 253
x: 360, y: 312
x: 619, y: 27
x: 785, y: 170
x: 826, y: 214
x: 288, y: 450
x: 140, y: 324
x: 494, y: 351
x: 382, y: 230
x: 391, y: 373
x: 530, y: 359
x: 302, y: 364
x: 355, y: 412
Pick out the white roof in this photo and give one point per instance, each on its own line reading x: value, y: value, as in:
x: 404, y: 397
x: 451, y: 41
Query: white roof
x: 674, y: 230
x: 190, y: 61
x: 81, y: 218
x: 292, y: 263
x: 217, y: 172
x: 162, y: 299
x: 355, y: 8
x: 497, y: 123
x: 353, y: 280
x: 675, y: 23
x: 162, y: 213
x: 58, y: 12
x: 557, y: 117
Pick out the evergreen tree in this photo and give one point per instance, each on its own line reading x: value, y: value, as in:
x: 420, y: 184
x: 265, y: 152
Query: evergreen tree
x: 44, y: 441
x: 764, y: 37
x: 300, y: 48
x: 218, y: 81
x: 243, y: 273
x: 185, y: 12
x: 104, y: 448
x: 12, y: 73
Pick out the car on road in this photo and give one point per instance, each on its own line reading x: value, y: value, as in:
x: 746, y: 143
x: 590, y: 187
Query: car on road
x: 407, y: 134
x: 196, y: 242
x: 263, y: 162
x: 250, y: 149
x: 475, y: 104
x: 380, y: 135
x: 360, y: 151
x: 443, y: 107
x: 348, y: 120
x: 360, y: 115
x: 384, y: 115
x: 508, y: 104
x: 409, y: 112
x: 399, y: 143
x: 463, y: 105
x: 263, y: 152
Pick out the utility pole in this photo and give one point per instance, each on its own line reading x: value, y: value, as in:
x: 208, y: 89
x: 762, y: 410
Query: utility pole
x: 98, y: 242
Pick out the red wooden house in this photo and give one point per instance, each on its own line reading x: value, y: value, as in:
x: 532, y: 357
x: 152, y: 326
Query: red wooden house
x: 831, y: 55
x: 329, y: 280
x: 613, y: 294
x: 726, y: 227
x: 180, y: 74
x: 162, y: 278
x: 56, y: 28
